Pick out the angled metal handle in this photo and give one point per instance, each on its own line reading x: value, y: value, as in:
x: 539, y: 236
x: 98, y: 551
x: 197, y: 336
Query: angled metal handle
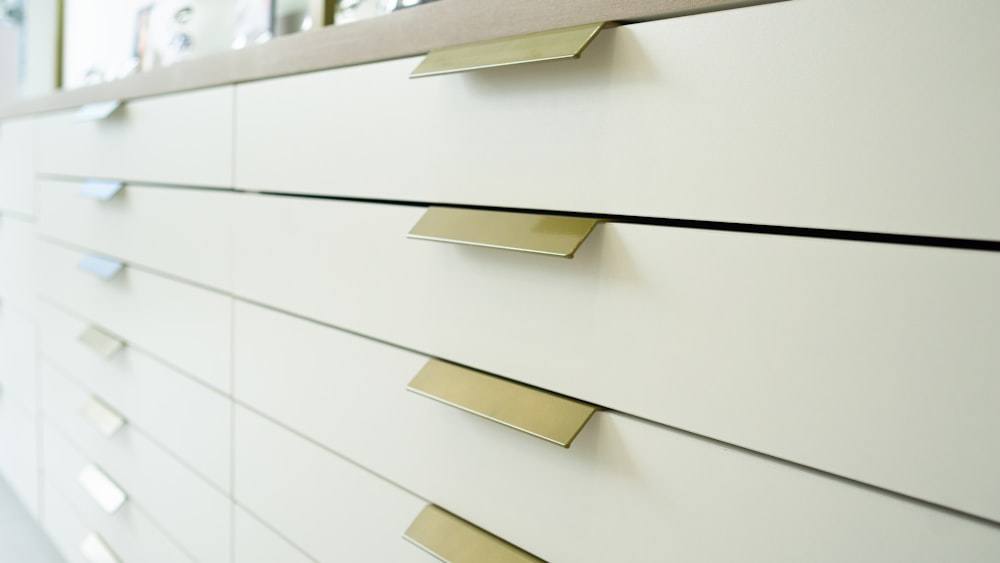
x: 551, y: 235
x: 548, y: 416
x: 97, y: 111
x: 109, y: 496
x: 100, y: 342
x: 101, y: 266
x: 103, y: 418
x: 449, y: 538
x: 101, y: 190
x: 95, y: 550
x: 565, y: 43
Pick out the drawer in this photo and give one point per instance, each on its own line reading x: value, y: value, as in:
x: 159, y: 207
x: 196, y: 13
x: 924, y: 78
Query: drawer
x: 17, y: 262
x: 178, y: 412
x: 19, y: 452
x: 758, y: 340
x: 332, y: 509
x: 184, y: 138
x: 140, y: 225
x: 257, y: 543
x: 70, y: 515
x: 17, y: 359
x: 17, y: 174
x: 626, y: 490
x: 190, y: 510
x: 183, y: 325
x: 762, y: 115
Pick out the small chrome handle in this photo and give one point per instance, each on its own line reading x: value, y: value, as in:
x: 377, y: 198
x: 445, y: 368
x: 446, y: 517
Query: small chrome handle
x: 95, y: 550
x: 108, y: 495
x: 103, y: 418
x: 101, y: 266
x: 551, y: 235
x: 449, y: 538
x: 97, y: 110
x: 556, y: 44
x: 100, y: 342
x: 101, y: 190
x: 548, y: 416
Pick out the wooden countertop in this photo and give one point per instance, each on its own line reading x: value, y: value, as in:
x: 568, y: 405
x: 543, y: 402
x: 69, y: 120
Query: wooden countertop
x: 400, y: 34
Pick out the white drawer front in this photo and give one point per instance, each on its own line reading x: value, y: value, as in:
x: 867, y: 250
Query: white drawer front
x: 185, y: 417
x: 183, y: 232
x: 17, y: 262
x: 19, y: 452
x: 329, y: 507
x: 17, y: 142
x: 183, y: 325
x: 742, y: 337
x: 193, y: 512
x: 802, y: 113
x: 70, y: 515
x: 256, y: 543
x: 184, y: 138
x: 626, y: 490
x: 17, y: 359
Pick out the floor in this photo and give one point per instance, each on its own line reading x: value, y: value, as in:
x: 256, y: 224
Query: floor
x: 21, y: 540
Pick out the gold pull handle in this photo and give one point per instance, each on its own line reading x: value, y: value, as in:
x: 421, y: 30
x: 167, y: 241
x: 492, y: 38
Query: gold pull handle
x: 109, y: 496
x: 100, y: 342
x: 97, y: 110
x: 565, y: 43
x: 102, y: 417
x: 449, y: 538
x: 95, y: 550
x: 546, y: 415
x: 551, y: 235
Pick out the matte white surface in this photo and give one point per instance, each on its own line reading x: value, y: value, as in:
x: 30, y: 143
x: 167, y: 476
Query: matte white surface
x: 187, y: 507
x: 184, y: 325
x: 186, y: 233
x: 19, y: 452
x: 627, y: 490
x: 329, y: 507
x: 188, y: 419
x: 256, y: 543
x: 70, y: 515
x: 22, y: 539
x: 17, y: 359
x: 17, y: 143
x: 847, y: 356
x: 17, y: 262
x: 849, y: 114
x: 184, y: 138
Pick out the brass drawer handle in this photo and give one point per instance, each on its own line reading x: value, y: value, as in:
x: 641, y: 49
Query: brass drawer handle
x: 553, y: 45
x: 101, y: 190
x: 546, y: 415
x: 551, y: 235
x: 100, y: 342
x: 97, y: 110
x: 109, y: 496
x: 449, y: 538
x: 95, y: 550
x: 101, y: 266
x: 102, y: 417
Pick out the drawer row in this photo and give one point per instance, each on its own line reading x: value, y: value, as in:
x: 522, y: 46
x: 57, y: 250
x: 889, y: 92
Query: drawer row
x: 761, y: 115
x: 841, y: 355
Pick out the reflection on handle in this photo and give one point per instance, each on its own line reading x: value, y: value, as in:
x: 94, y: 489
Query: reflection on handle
x: 102, y: 417
x: 565, y: 43
x: 97, y: 111
x: 101, y: 190
x: 109, y: 496
x: 101, y: 266
x: 100, y: 342
x: 95, y: 550
x: 449, y: 538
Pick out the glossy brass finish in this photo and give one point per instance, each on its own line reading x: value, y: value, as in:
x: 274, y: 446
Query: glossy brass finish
x: 565, y: 43
x: 97, y: 110
x: 449, y: 538
x: 100, y: 342
x: 102, y: 417
x: 551, y: 235
x: 546, y: 415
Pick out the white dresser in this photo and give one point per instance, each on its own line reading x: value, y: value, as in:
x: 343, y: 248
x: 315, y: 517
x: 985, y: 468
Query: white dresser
x: 787, y: 315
